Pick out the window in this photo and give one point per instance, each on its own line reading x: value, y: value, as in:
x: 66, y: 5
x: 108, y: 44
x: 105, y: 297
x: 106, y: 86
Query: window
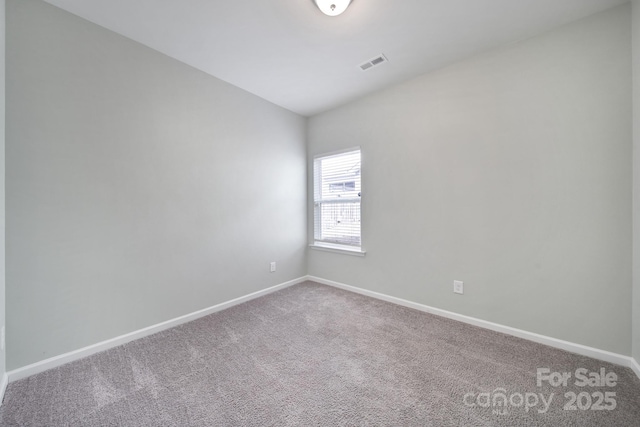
x: 337, y: 192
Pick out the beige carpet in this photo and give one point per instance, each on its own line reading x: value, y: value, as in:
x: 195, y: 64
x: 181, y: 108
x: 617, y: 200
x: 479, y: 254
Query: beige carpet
x: 312, y: 355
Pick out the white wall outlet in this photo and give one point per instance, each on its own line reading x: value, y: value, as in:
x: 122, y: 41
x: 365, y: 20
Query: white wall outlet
x: 458, y: 287
x: 273, y: 266
x: 2, y: 339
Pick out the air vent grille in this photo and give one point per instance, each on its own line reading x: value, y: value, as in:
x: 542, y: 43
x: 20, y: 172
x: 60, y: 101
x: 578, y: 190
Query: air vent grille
x: 380, y: 59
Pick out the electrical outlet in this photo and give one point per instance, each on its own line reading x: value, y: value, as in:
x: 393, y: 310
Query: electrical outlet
x: 273, y: 266
x: 458, y: 287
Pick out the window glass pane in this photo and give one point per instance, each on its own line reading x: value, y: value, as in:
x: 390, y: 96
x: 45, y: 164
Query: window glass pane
x: 337, y: 191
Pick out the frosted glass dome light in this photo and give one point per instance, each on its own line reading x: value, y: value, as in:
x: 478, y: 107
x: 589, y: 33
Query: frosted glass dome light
x: 332, y: 7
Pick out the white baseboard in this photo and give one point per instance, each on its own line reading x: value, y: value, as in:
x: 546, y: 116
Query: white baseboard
x: 584, y: 350
x: 3, y: 386
x: 62, y: 359
x: 635, y: 366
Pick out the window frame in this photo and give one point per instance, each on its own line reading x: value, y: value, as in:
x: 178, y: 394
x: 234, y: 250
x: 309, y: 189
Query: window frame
x: 325, y: 245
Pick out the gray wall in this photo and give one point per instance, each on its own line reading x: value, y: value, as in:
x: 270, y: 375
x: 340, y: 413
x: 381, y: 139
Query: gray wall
x: 510, y: 171
x: 2, y: 172
x: 636, y: 180
x: 138, y: 189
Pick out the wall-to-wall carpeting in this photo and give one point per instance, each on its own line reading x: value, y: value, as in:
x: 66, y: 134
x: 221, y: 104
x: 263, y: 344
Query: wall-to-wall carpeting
x: 315, y: 355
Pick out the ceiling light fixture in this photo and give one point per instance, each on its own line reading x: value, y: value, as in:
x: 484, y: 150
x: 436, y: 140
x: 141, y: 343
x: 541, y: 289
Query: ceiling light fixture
x: 332, y: 7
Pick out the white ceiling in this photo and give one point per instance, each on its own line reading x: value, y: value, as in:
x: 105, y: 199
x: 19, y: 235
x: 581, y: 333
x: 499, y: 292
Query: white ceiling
x: 288, y: 52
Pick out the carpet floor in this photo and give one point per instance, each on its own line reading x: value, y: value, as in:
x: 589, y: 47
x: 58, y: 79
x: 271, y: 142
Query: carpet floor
x: 313, y: 355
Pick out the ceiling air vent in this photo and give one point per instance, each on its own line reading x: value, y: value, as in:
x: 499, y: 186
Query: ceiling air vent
x: 381, y: 59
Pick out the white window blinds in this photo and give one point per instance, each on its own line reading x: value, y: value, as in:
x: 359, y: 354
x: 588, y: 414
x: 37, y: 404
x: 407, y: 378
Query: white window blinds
x: 337, y: 192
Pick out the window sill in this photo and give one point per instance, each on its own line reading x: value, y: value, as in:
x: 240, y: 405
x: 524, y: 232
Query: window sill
x: 338, y: 249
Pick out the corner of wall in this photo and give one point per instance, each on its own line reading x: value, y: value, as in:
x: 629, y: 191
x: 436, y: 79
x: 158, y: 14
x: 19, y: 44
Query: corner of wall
x: 3, y: 375
x: 635, y: 327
